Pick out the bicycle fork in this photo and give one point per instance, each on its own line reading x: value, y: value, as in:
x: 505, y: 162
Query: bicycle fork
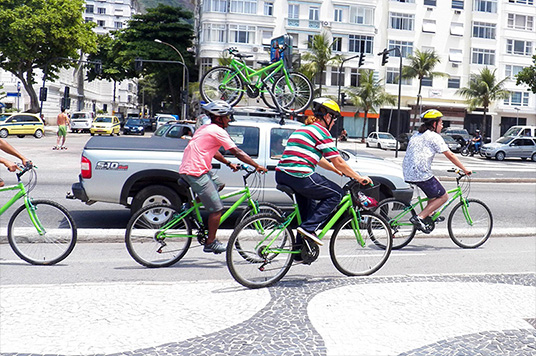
x: 31, y: 209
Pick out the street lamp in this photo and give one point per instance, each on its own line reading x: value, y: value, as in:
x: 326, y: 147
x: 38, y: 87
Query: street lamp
x: 184, y: 80
x: 18, y: 96
x: 517, y: 115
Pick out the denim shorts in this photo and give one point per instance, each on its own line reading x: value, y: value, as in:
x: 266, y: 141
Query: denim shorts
x: 431, y: 187
x: 206, y: 186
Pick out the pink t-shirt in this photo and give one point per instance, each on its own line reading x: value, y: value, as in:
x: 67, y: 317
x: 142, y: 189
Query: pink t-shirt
x: 201, y: 149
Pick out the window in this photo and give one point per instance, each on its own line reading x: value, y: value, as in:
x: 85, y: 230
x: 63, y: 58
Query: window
x: 267, y: 36
x: 90, y: 9
x: 454, y: 82
x: 485, y: 6
x: 101, y: 11
x: 428, y: 26
x: 401, y: 21
x: 455, y: 55
x: 521, y: 22
x: 523, y: 48
x: 278, y: 141
x: 406, y: 48
x: 337, y: 15
x: 293, y: 15
x: 354, y: 77
x: 242, y: 33
x: 206, y: 65
x: 337, y: 44
x: 215, y: 5
x: 484, y: 30
x: 357, y: 43
x: 392, y: 77
x: 517, y: 98
x: 361, y: 15
x: 511, y: 70
x: 430, y: 2
x: 483, y: 56
x: 407, y: 1
x: 335, y: 76
x: 310, y: 39
x: 456, y: 29
x: 89, y: 19
x: 118, y: 24
x: 246, y: 138
x: 214, y: 33
x: 523, y: 2
x: 427, y: 82
x: 101, y: 23
x: 313, y: 17
x: 269, y: 8
x: 457, y: 4
x: 244, y: 6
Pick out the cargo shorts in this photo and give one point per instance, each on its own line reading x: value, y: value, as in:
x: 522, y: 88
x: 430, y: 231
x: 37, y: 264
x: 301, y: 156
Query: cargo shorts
x: 207, y: 186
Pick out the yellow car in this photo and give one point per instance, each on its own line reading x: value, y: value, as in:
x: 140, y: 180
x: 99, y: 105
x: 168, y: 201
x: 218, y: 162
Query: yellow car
x: 21, y: 125
x: 105, y: 125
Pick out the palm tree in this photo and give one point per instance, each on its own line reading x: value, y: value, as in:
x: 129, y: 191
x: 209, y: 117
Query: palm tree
x: 483, y: 90
x: 421, y: 66
x: 319, y: 57
x: 369, y: 95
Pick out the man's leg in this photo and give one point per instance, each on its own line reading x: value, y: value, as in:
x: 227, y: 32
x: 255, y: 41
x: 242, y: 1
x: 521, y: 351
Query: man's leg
x: 213, y: 225
x: 433, y: 205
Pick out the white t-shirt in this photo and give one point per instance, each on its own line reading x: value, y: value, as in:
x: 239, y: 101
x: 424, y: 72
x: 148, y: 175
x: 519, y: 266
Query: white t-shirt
x: 422, y: 148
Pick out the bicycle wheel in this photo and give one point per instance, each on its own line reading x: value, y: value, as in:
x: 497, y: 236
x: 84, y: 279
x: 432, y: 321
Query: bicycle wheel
x: 257, y: 252
x: 349, y: 256
x: 222, y: 83
x: 402, y: 229
x: 154, y: 238
x: 294, y: 96
x: 263, y: 208
x: 56, y: 240
x: 470, y: 227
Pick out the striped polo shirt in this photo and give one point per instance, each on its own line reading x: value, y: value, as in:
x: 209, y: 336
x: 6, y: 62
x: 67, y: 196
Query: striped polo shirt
x: 305, y: 147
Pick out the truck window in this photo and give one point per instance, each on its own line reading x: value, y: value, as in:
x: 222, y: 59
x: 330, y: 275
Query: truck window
x: 278, y: 141
x: 246, y: 138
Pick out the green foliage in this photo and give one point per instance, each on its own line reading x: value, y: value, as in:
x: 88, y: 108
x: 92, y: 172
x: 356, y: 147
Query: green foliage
x: 528, y: 76
x: 36, y: 32
x: 318, y: 57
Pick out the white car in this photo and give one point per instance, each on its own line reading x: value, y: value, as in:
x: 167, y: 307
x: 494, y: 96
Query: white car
x: 163, y: 119
x: 383, y: 140
x: 81, y: 121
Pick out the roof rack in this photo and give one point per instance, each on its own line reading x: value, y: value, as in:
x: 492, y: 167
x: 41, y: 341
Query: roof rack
x: 260, y: 111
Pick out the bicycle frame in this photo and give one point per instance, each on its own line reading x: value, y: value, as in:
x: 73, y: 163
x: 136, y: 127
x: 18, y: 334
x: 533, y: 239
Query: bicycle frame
x: 247, y: 73
x: 27, y: 203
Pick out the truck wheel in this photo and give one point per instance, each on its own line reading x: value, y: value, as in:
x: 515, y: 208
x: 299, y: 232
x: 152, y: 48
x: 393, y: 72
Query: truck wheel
x: 155, y: 194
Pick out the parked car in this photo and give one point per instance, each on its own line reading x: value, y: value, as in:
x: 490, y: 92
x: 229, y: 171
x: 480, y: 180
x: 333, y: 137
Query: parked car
x: 460, y: 135
x: 454, y: 145
x: 134, y: 126
x: 521, y: 131
x: 161, y: 119
x: 383, y: 140
x: 22, y: 124
x: 105, y: 125
x: 81, y: 121
x: 3, y: 117
x: 403, y: 140
x: 510, y: 147
x: 174, y: 130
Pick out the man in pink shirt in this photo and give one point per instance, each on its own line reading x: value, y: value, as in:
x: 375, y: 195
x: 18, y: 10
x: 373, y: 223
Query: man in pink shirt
x: 196, y: 165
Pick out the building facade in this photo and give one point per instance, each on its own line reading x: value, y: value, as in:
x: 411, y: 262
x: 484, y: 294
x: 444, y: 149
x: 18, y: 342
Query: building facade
x: 467, y: 35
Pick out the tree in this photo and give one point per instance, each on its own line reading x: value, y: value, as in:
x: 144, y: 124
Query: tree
x: 483, y: 90
x: 318, y: 57
x: 35, y: 33
x: 528, y: 76
x: 369, y: 95
x: 421, y: 66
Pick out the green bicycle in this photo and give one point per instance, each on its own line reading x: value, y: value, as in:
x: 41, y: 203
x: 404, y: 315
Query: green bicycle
x: 469, y: 223
x: 262, y: 248
x: 159, y: 235
x: 279, y: 88
x: 40, y: 232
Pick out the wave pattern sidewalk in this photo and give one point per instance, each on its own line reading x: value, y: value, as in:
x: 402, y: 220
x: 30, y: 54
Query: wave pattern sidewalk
x: 491, y: 314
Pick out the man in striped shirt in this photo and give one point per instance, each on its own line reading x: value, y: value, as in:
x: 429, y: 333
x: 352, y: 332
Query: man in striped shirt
x: 306, y: 148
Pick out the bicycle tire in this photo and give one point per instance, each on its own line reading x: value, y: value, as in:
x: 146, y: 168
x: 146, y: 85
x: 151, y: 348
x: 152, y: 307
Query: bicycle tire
x: 142, y: 243
x: 468, y: 235
x: 352, y: 259
x: 464, y: 152
x: 48, y: 249
x: 211, y: 89
x: 247, y: 262
x: 403, y: 230
x: 263, y: 208
x: 299, y: 98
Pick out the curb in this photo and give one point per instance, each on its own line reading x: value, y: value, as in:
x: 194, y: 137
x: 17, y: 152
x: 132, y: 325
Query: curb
x: 491, y: 180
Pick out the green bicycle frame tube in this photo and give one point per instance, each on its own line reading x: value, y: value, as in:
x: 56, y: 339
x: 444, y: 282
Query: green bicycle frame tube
x: 21, y: 192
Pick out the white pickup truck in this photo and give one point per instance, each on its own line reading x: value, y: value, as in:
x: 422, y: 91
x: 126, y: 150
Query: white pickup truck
x: 135, y: 171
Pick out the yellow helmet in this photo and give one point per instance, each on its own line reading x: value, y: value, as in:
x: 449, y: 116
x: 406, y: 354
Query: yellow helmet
x: 330, y: 105
x: 430, y: 115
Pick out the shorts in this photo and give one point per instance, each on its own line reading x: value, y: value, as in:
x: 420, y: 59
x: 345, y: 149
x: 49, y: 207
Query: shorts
x: 206, y: 186
x: 431, y: 187
x: 62, y: 130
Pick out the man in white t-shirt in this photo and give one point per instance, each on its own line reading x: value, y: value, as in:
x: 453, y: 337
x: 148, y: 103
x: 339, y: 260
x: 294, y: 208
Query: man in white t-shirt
x: 196, y: 165
x: 417, y: 164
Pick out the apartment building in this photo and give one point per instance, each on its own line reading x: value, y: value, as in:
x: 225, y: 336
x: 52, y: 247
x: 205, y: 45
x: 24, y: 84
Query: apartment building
x: 467, y: 35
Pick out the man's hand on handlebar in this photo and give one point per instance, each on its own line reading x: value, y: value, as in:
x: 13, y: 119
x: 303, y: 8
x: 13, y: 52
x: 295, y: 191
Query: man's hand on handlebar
x: 364, y: 180
x: 261, y: 169
x: 234, y: 167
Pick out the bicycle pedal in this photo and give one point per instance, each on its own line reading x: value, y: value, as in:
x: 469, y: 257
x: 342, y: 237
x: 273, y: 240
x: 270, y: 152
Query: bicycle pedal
x: 440, y: 219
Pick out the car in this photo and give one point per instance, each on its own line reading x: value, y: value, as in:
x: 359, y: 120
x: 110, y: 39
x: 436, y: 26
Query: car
x: 105, y: 125
x: 383, y: 140
x: 460, y: 135
x: 81, y: 121
x: 510, y: 147
x: 521, y: 131
x: 175, y: 130
x: 4, y: 116
x: 161, y: 119
x: 134, y: 126
x: 454, y: 145
x: 403, y: 140
x: 22, y: 124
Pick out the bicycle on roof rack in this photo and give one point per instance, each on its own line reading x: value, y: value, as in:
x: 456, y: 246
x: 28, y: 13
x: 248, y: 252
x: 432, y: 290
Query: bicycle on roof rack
x: 279, y: 88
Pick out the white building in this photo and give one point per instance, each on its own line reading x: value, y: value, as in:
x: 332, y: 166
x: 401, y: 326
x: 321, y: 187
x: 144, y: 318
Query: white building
x: 467, y: 35
x: 84, y: 96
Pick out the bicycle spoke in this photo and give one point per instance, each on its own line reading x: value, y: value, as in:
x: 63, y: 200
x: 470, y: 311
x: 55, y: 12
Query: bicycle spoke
x: 470, y: 226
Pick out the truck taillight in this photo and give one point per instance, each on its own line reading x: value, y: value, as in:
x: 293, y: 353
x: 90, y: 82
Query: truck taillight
x: 85, y: 167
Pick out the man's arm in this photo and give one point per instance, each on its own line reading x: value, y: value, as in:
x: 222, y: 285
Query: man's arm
x: 244, y: 157
x: 6, y: 147
x: 456, y: 161
x: 219, y: 157
x: 342, y: 166
x: 324, y: 163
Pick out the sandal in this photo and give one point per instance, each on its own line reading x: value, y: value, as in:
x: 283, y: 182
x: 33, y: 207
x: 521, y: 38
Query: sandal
x: 63, y: 148
x: 55, y: 148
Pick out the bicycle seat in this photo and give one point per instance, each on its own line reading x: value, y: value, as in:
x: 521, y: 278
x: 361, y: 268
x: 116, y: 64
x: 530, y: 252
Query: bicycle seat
x: 240, y: 55
x: 285, y: 189
x: 264, y: 63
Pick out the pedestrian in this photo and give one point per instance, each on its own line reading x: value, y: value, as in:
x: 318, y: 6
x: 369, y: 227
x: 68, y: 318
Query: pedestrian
x: 417, y: 164
x: 11, y: 166
x: 307, y: 147
x: 196, y: 166
x: 63, y: 122
x: 344, y: 135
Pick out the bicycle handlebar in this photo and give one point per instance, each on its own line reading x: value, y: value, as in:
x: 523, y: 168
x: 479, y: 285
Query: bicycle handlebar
x: 29, y: 166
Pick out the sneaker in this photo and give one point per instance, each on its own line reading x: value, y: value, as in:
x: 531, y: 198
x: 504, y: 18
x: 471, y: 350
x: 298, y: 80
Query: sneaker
x: 215, y: 247
x: 310, y: 235
x: 418, y: 222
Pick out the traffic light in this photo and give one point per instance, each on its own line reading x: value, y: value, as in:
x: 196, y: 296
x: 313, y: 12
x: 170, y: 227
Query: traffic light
x: 98, y: 67
x: 343, y: 99
x: 43, y: 94
x: 385, y: 57
x: 138, y: 64
x: 66, y: 92
x: 66, y: 103
x: 361, y: 59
